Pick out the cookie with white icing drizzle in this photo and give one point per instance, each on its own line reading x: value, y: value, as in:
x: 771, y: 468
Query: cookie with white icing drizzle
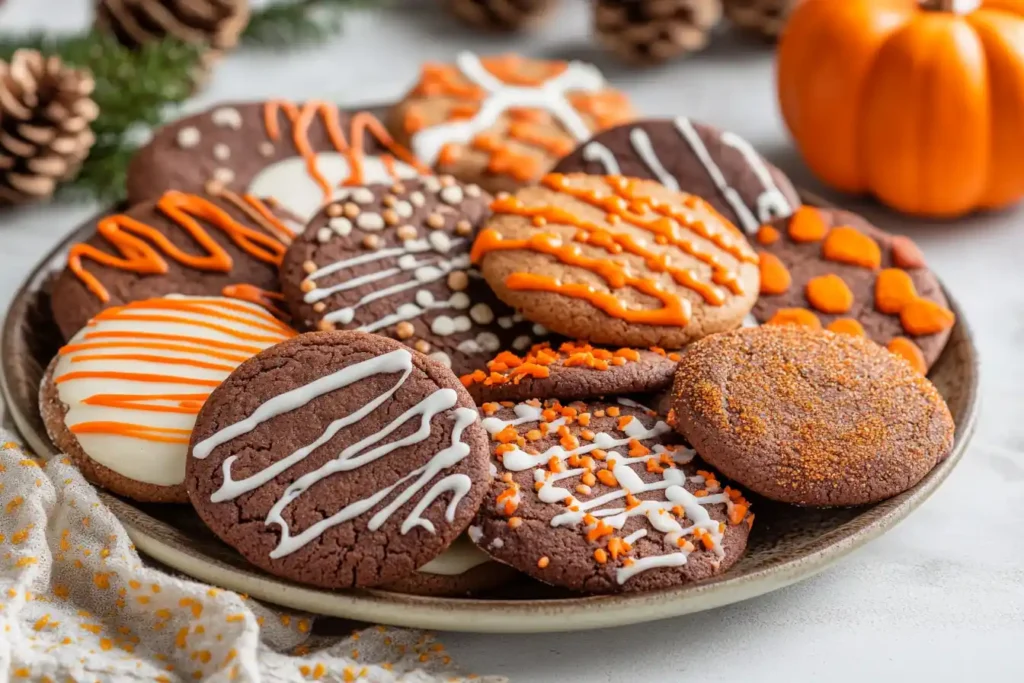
x: 338, y: 459
x: 122, y: 396
x: 681, y: 154
x: 604, y: 498
x: 298, y: 153
x: 503, y: 121
x: 394, y: 259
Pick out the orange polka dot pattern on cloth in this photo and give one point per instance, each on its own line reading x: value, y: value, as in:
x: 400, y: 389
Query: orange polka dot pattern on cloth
x: 78, y: 603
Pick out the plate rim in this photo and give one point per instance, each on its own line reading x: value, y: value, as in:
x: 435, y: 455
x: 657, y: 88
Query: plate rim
x: 510, y: 616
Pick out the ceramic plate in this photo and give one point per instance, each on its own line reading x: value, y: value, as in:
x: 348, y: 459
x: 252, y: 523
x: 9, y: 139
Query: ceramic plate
x: 788, y: 544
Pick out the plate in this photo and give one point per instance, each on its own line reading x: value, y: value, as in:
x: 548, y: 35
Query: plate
x: 787, y: 545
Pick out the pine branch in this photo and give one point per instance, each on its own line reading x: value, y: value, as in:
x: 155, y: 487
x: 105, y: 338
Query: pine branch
x: 287, y: 23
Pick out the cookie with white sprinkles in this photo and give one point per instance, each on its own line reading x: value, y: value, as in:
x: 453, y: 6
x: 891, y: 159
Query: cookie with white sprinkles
x: 604, y: 498
x: 394, y: 259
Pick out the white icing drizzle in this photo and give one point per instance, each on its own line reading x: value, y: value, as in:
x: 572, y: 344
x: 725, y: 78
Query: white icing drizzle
x: 657, y: 512
x: 771, y: 203
x: 549, y: 96
x: 642, y: 144
x: 354, y: 456
x: 596, y: 152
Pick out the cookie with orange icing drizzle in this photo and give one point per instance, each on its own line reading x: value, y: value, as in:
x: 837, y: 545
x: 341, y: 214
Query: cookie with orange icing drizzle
x: 122, y: 396
x: 503, y: 121
x: 833, y: 269
x: 216, y: 243
x: 394, y: 259
x: 571, y: 370
x: 298, y: 153
x: 603, y: 498
x: 617, y: 261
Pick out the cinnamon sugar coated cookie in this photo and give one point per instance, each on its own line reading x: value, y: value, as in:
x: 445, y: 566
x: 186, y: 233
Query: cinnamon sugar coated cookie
x: 503, y: 121
x: 681, y: 154
x: 810, y: 417
x: 121, y: 397
x: 833, y: 269
x: 297, y: 153
x: 572, y: 370
x: 338, y: 459
x: 394, y: 259
x: 604, y: 497
x: 617, y: 261
x: 214, y: 243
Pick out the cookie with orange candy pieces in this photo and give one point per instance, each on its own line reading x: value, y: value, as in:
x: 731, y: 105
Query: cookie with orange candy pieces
x: 503, y: 121
x: 617, y: 261
x: 810, y: 417
x: 603, y: 497
x: 572, y: 370
x: 833, y: 269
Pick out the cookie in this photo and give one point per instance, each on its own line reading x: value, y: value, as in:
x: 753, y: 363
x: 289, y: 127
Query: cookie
x: 338, y: 459
x: 719, y: 166
x: 810, y: 417
x: 461, y: 570
x: 573, y: 370
x: 299, y: 154
x: 394, y: 259
x: 603, y: 498
x: 617, y: 261
x: 122, y: 396
x: 503, y: 121
x: 829, y: 268
x: 218, y: 244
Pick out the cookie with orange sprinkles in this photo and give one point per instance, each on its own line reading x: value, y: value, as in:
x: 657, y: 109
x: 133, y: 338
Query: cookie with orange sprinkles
x: 573, y: 370
x: 810, y: 417
x: 603, y: 497
x: 833, y: 269
x: 617, y: 261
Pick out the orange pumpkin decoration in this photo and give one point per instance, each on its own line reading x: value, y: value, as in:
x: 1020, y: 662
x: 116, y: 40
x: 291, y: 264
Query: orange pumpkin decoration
x: 918, y: 103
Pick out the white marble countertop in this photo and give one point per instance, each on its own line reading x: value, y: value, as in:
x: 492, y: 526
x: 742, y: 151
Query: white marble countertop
x: 939, y: 598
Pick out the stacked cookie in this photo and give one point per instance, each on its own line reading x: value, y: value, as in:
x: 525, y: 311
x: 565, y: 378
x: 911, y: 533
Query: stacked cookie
x: 363, y: 374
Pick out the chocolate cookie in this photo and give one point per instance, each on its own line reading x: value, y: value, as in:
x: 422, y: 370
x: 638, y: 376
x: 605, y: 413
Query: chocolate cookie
x: 394, y: 259
x: 121, y: 398
x: 573, y: 370
x: 823, y: 267
x: 721, y: 167
x: 196, y: 244
x: 461, y: 570
x: 603, y: 497
x: 502, y: 122
x: 810, y: 417
x: 338, y: 459
x: 299, y: 154
x: 617, y: 261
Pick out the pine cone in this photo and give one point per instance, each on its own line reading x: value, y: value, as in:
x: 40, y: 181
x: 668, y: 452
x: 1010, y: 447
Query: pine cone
x: 651, y: 31
x: 216, y: 23
x: 500, y: 15
x: 762, y: 17
x: 45, y: 112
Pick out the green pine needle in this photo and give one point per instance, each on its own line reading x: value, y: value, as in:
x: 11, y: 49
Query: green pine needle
x: 288, y: 23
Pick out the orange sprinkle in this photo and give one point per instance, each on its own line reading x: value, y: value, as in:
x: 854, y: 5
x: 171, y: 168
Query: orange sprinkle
x: 588, y: 478
x: 923, y: 316
x: 613, y: 411
x: 795, y: 316
x: 515, y: 522
x: 607, y: 478
x: 766, y: 234
x: 775, y: 277
x: 507, y: 434
x: 600, y: 556
x: 737, y: 513
x: 829, y: 294
x: 849, y: 245
x: 807, y: 225
x: 616, y: 547
x: 910, y: 351
x: 894, y: 289
x: 624, y: 422
x: 543, y: 562
x: 847, y: 326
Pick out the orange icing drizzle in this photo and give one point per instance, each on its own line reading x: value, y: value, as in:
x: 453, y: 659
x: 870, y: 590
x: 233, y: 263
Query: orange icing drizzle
x: 136, y: 255
x: 847, y: 326
x: 807, y: 225
x: 849, y: 245
x: 188, y: 403
x: 829, y: 294
x: 775, y: 277
x: 904, y: 347
x: 506, y: 161
x: 800, y: 317
x: 301, y: 118
x: 261, y: 297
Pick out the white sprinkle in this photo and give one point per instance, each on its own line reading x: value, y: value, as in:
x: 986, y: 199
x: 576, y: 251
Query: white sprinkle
x: 228, y: 117
x: 469, y: 347
x: 407, y: 261
x: 482, y: 314
x: 440, y: 241
x: 505, y: 322
x: 417, y: 198
x: 452, y: 195
x: 517, y: 317
x: 442, y: 325
x: 489, y: 341
x: 370, y: 221
x: 432, y: 183
x: 521, y: 343
x: 266, y: 149
x: 475, y: 533
x: 361, y: 195
x: 459, y: 300
x: 424, y: 298
x: 441, y: 357
x: 462, y: 323
x: 539, y: 330
x: 428, y: 273
x: 497, y: 542
x: 224, y: 175
x: 188, y: 137
x: 221, y: 152
x: 341, y: 225
x: 472, y: 190
x: 324, y: 235
x: 403, y: 209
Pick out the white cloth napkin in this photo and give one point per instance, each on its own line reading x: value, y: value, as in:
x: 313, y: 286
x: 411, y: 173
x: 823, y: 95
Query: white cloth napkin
x: 77, y: 602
